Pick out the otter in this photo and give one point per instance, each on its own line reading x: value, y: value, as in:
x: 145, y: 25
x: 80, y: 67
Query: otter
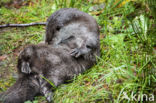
x: 25, y: 88
x: 71, y: 46
x: 37, y: 62
x: 75, y: 29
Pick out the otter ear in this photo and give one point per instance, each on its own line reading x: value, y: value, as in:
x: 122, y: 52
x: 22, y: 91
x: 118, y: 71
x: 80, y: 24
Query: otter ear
x: 26, y: 68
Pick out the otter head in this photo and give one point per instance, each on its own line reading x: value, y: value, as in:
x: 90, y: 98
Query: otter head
x: 26, y: 59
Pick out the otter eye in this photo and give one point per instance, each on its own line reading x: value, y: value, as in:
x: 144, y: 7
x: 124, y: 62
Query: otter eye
x: 88, y: 46
x: 57, y: 28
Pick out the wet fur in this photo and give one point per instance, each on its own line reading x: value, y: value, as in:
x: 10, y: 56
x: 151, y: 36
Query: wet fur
x: 25, y: 88
x: 74, y: 29
x: 55, y: 64
x: 73, y: 44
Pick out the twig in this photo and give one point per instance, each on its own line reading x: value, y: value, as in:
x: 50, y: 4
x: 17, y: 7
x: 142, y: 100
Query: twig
x: 22, y: 25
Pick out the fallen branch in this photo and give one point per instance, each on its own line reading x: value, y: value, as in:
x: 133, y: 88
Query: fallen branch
x: 22, y: 25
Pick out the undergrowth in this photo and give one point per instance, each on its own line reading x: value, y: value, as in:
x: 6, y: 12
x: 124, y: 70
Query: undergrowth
x: 128, y: 54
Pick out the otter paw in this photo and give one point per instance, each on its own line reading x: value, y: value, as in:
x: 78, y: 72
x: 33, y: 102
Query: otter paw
x: 25, y: 68
x: 47, y: 93
x: 75, y: 52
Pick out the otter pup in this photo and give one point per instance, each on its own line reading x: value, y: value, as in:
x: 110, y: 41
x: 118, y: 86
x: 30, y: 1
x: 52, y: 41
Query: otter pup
x: 75, y: 29
x: 38, y: 61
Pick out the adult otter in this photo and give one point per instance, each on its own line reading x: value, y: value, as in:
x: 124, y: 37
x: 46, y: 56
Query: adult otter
x: 75, y: 29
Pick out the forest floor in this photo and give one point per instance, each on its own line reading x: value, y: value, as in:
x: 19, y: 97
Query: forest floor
x: 128, y: 55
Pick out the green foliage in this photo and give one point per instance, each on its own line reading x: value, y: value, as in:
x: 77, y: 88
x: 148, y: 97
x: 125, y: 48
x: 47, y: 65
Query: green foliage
x: 4, y: 84
x: 128, y: 56
x: 51, y: 83
x: 14, y: 38
x: 70, y: 3
x: 35, y: 101
x: 4, y: 1
x: 26, y: 14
